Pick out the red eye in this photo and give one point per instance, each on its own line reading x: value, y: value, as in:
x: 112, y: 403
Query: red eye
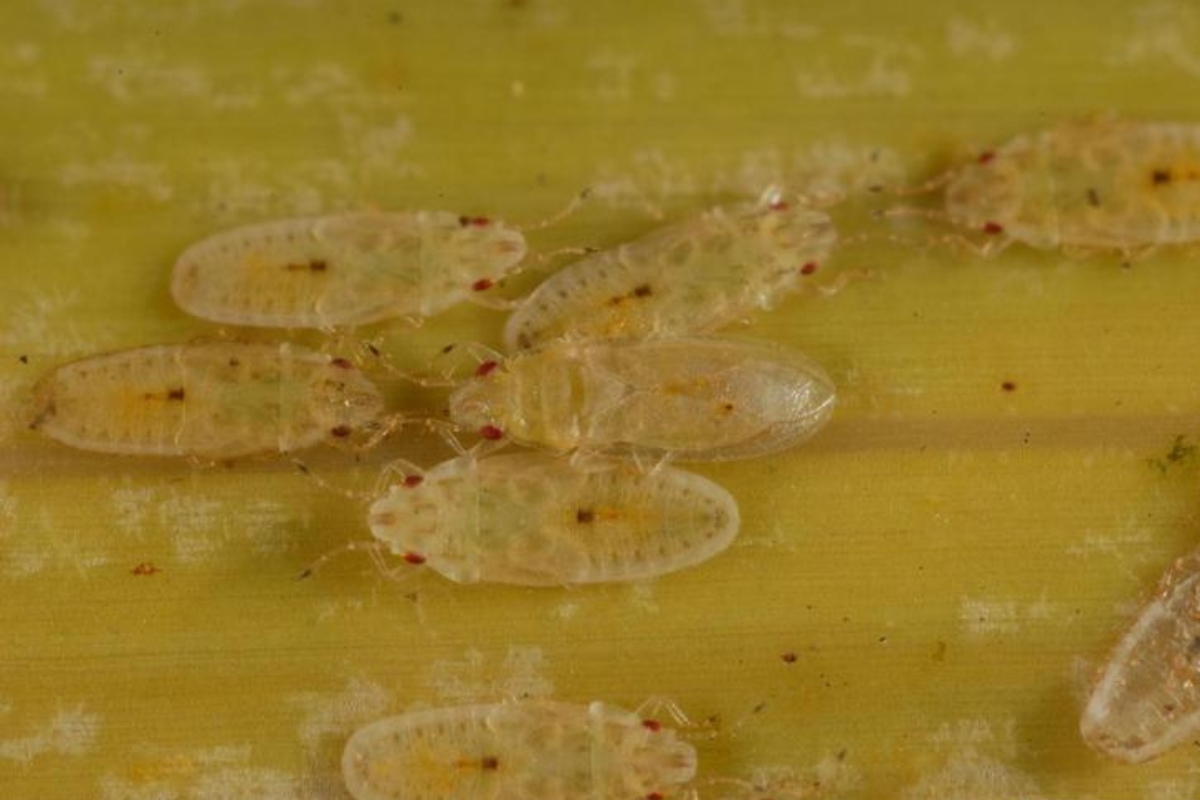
x: 491, y: 432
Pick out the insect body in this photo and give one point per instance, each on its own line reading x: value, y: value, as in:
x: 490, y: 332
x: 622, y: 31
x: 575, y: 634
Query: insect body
x: 344, y: 269
x: 692, y: 398
x: 1104, y: 184
x: 531, y: 519
x: 1147, y: 700
x: 694, y: 276
x: 211, y: 400
x: 516, y: 751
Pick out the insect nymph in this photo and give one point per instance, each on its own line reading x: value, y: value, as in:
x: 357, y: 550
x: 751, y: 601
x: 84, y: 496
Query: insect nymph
x: 517, y: 751
x: 531, y: 519
x: 1104, y: 183
x: 694, y: 398
x: 343, y: 269
x: 1147, y: 699
x: 691, y: 277
x: 211, y: 400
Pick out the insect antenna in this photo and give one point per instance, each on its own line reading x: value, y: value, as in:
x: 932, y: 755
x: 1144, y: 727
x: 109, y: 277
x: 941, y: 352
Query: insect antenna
x: 558, y: 216
x: 341, y: 491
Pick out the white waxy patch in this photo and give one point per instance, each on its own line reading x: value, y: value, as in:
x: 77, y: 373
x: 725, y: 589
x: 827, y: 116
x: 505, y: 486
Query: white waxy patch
x: 344, y: 269
x: 531, y: 519
x: 516, y: 751
x: 1099, y: 184
x: 691, y: 277
x: 1147, y: 699
x: 694, y: 398
x: 209, y: 400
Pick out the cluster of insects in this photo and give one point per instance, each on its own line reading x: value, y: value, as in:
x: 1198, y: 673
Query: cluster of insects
x: 613, y: 372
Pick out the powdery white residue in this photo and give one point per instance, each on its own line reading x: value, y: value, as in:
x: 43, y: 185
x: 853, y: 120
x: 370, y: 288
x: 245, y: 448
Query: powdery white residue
x: 339, y: 715
x: 10, y: 204
x: 68, y: 733
x: 1128, y: 547
x: 325, y: 83
x: 120, y: 170
x: 8, y: 510
x: 968, y: 774
x: 972, y: 758
x: 138, y: 76
x: 328, y: 610
x: 41, y: 322
x: 20, y: 74
x: 1184, y: 788
x: 822, y: 171
x: 1165, y: 31
x: 643, y: 597
x: 83, y: 15
x: 882, y: 70
x: 201, y: 524
x: 374, y: 133
x: 614, y: 73
x: 565, y: 611
x: 982, y: 39
x: 374, y: 146
x: 984, y: 617
x: 1081, y: 677
x: 999, y: 737
x: 620, y: 77
x: 244, y: 783
x: 217, y: 773
x: 652, y: 178
x: 831, y: 777
x: 238, y: 191
x: 46, y: 542
x: 520, y: 675
x: 743, y: 19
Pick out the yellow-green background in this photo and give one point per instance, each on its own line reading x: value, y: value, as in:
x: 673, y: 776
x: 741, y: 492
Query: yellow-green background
x: 948, y: 561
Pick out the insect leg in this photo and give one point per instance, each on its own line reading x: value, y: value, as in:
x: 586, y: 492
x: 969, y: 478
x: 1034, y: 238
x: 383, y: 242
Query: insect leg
x: 374, y: 548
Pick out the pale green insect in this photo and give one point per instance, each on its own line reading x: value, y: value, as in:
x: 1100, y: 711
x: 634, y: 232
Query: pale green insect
x: 343, y: 269
x: 525, y: 750
x: 532, y: 519
x: 1103, y: 183
x: 691, y: 277
x: 210, y: 400
x: 694, y: 398
x: 1147, y: 699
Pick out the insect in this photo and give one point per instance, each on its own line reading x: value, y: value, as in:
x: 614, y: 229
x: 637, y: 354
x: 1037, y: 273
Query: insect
x: 344, y: 269
x: 695, y: 398
x: 1102, y: 183
x: 694, y: 276
x: 209, y: 400
x: 1147, y: 699
x: 516, y: 751
x: 530, y: 519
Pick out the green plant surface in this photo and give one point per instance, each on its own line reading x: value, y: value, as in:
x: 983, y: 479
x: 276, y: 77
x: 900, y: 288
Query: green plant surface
x: 919, y: 597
